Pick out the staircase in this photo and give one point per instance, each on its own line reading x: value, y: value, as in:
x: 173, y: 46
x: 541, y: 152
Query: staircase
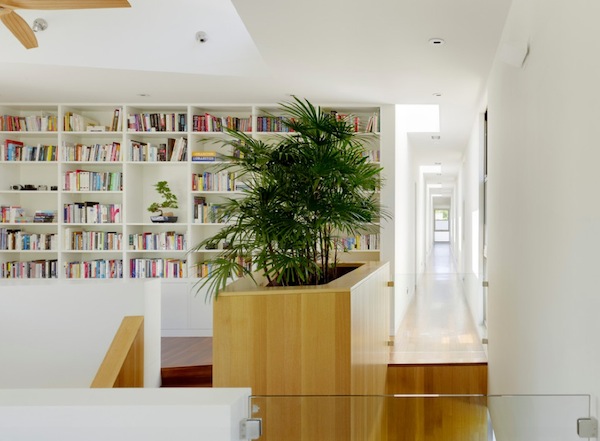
x: 187, y: 376
x: 186, y: 362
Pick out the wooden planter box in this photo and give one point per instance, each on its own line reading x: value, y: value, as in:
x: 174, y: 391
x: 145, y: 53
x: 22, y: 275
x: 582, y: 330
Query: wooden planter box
x: 317, y: 340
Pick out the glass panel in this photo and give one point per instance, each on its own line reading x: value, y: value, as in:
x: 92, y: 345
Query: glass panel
x: 420, y: 417
x: 537, y: 417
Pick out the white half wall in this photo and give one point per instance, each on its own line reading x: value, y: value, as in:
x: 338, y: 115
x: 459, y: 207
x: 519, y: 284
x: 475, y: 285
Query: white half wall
x: 55, y: 333
x: 123, y: 414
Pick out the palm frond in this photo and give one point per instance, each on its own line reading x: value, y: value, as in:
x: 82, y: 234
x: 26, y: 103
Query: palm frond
x: 305, y: 191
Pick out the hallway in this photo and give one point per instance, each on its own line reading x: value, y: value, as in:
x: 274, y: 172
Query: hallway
x: 437, y: 327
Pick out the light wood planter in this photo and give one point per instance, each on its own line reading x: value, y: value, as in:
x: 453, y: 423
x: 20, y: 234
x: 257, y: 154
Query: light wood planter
x: 318, y: 340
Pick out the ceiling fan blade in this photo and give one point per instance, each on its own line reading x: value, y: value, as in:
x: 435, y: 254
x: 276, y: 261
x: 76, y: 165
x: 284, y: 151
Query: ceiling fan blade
x: 19, y: 28
x: 64, y: 4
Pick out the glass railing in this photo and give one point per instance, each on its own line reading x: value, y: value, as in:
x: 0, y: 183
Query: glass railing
x: 420, y: 417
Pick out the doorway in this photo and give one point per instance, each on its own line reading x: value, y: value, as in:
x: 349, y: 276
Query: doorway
x: 441, y: 228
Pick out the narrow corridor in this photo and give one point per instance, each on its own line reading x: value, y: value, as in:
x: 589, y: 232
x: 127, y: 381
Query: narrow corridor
x: 438, y: 327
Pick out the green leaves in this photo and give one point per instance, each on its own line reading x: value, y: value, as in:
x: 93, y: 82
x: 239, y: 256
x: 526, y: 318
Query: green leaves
x: 305, y: 191
x: 169, y: 200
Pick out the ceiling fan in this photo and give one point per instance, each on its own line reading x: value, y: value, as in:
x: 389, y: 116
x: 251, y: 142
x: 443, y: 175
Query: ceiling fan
x: 19, y: 27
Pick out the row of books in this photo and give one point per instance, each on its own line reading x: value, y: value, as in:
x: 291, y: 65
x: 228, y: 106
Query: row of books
x: 74, y: 122
x: 21, y: 240
x: 372, y: 124
x: 157, y: 122
x: 84, y: 180
x: 172, y: 150
x: 14, y: 214
x: 363, y: 242
x: 213, y: 123
x: 44, y: 216
x: 93, y: 240
x: 162, y: 268
x: 166, y: 240
x: 96, y: 152
x: 95, y: 269
x: 271, y: 124
x: 207, y: 212
x: 29, y: 123
x: 372, y: 155
x: 91, y: 213
x: 34, y: 269
x: 163, y: 122
x: 17, y: 214
x: 12, y: 150
x: 204, y: 269
x: 217, y: 181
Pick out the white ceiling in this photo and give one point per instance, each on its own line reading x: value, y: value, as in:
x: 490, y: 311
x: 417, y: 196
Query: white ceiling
x: 329, y: 51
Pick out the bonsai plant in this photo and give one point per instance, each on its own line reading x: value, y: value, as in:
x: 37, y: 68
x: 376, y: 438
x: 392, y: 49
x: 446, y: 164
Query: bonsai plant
x: 169, y: 200
x: 303, y: 192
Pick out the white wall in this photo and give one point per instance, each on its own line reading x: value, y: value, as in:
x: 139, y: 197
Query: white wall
x: 468, y: 247
x: 122, y: 414
x: 544, y: 295
x: 56, y: 333
x: 404, y: 219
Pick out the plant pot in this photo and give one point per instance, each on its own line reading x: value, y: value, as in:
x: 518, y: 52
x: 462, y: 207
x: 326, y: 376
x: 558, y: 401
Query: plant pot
x: 163, y: 219
x: 306, y: 341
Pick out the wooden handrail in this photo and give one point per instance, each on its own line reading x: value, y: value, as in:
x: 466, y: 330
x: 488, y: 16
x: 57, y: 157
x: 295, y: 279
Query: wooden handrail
x: 123, y: 364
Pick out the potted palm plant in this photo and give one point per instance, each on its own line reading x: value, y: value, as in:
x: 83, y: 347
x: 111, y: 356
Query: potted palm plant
x: 289, y: 328
x: 302, y: 193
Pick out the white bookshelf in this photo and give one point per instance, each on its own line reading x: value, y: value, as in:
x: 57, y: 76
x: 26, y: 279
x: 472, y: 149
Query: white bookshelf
x: 135, y: 192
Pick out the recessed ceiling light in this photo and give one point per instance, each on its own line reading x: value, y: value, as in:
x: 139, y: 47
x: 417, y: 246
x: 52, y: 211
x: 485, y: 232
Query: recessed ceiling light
x: 436, y: 41
x: 435, y: 137
x: 145, y: 95
x: 201, y: 37
x: 437, y: 94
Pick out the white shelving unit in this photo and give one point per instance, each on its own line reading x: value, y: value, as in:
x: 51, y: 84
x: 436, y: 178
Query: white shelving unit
x: 61, y: 159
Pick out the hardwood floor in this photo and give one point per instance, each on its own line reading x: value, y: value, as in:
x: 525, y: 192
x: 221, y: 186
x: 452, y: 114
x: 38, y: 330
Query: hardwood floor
x: 186, y: 351
x: 438, y: 328
x: 437, y: 350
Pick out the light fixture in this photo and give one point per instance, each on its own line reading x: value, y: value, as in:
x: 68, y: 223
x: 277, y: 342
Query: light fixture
x: 437, y: 41
x: 145, y: 95
x: 437, y: 94
x: 39, y: 25
x: 201, y: 37
x: 435, y: 137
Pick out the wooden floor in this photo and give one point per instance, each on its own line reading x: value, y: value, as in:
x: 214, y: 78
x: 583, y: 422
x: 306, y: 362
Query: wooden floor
x: 437, y: 328
x: 186, y: 351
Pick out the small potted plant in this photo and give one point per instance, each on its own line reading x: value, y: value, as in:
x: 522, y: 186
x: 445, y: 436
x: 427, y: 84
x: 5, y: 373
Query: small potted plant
x: 169, y: 200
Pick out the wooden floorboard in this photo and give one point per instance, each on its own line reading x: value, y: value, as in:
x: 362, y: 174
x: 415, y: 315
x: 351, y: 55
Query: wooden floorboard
x: 186, y: 351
